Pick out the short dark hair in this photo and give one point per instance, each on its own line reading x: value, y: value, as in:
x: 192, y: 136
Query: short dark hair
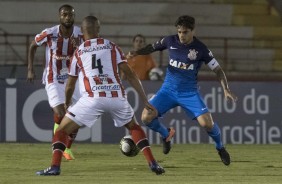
x: 185, y: 21
x: 139, y: 35
x: 89, y: 25
x: 90, y: 19
x: 65, y: 6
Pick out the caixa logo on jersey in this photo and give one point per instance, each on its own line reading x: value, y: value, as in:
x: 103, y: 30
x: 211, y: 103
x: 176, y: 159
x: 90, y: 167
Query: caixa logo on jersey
x: 181, y: 65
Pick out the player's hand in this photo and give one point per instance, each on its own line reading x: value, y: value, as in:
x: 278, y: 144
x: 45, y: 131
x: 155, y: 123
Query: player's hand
x: 131, y: 54
x: 229, y: 96
x: 75, y: 42
x: 30, y: 76
x: 66, y: 106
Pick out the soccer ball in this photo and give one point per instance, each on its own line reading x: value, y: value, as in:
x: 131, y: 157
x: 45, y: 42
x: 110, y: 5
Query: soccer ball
x: 156, y: 74
x: 128, y: 147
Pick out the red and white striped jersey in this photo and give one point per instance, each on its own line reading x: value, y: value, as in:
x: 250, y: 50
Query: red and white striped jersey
x: 97, y: 62
x: 58, y: 52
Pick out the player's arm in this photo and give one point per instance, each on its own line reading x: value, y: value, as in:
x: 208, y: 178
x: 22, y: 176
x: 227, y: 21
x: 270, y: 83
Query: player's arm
x: 70, y: 86
x: 213, y: 64
x: 136, y: 84
x: 31, y: 53
x: 150, y: 48
x: 143, y: 51
x: 72, y: 78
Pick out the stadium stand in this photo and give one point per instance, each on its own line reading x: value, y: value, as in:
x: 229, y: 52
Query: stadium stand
x: 244, y: 35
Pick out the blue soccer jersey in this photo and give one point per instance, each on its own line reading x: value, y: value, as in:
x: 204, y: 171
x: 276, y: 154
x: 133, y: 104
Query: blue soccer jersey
x: 180, y: 85
x: 185, y: 61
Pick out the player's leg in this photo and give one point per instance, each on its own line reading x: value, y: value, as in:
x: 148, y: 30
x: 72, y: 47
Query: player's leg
x: 68, y: 154
x: 162, y: 102
x: 78, y: 115
x: 123, y: 115
x: 56, y: 97
x: 66, y: 127
x: 213, y: 130
x: 195, y: 108
x: 140, y: 139
x: 59, y: 112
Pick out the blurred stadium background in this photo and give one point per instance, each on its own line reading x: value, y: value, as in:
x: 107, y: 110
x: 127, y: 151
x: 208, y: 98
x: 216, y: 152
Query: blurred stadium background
x: 244, y: 35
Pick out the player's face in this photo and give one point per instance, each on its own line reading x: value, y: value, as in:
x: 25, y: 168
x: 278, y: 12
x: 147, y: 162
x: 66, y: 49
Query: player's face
x: 67, y: 17
x: 185, y: 34
x: 138, y: 43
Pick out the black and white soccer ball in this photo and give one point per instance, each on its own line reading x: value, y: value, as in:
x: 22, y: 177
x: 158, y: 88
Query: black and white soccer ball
x: 128, y: 147
x: 156, y: 74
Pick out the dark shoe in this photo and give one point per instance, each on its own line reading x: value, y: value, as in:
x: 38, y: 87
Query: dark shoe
x: 50, y: 171
x: 156, y: 168
x: 224, y: 155
x: 167, y: 141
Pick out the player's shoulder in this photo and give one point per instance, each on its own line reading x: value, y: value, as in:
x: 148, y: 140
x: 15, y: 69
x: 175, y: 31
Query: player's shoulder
x: 102, y: 41
x: 164, y: 41
x: 199, y: 43
x: 170, y: 39
x: 111, y: 43
x: 94, y: 42
x: 77, y: 30
x: 107, y: 41
x: 52, y: 30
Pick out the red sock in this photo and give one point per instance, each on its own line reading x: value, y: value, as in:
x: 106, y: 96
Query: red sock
x: 71, y: 138
x: 140, y: 139
x: 58, y: 146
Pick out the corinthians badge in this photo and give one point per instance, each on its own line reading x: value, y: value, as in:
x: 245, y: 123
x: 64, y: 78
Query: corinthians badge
x: 192, y: 55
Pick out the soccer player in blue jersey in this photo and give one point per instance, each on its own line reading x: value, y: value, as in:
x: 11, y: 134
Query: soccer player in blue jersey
x: 180, y: 88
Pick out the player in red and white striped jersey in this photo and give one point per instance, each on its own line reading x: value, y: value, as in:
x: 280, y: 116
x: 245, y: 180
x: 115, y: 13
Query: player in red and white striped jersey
x: 96, y: 63
x: 60, y: 43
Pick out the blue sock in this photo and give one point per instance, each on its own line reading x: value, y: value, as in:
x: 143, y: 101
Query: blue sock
x: 158, y: 127
x: 215, y: 134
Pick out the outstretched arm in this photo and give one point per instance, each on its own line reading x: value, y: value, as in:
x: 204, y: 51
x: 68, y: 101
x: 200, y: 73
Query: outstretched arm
x: 223, y: 81
x: 31, y: 52
x: 143, y: 51
x: 136, y: 84
x: 69, y: 90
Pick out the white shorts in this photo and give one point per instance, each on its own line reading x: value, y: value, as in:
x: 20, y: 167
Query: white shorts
x: 56, y: 93
x: 87, y: 110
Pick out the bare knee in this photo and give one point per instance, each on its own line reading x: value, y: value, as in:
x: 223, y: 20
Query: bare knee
x: 206, y: 121
x: 68, y: 126
x: 59, y: 111
x: 131, y: 124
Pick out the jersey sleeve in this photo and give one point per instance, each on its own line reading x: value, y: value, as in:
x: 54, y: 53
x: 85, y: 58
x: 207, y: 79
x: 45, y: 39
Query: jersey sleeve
x: 73, y: 67
x: 161, y: 44
x: 120, y: 57
x: 207, y: 55
x: 41, y: 38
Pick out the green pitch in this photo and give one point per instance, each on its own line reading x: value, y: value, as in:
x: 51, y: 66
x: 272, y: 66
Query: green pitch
x: 104, y: 164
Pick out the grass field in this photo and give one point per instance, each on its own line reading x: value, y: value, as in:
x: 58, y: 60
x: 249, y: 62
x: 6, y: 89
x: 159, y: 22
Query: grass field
x: 100, y: 163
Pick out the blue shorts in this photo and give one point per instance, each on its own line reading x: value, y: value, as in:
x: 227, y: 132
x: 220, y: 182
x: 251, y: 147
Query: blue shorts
x: 191, y: 102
